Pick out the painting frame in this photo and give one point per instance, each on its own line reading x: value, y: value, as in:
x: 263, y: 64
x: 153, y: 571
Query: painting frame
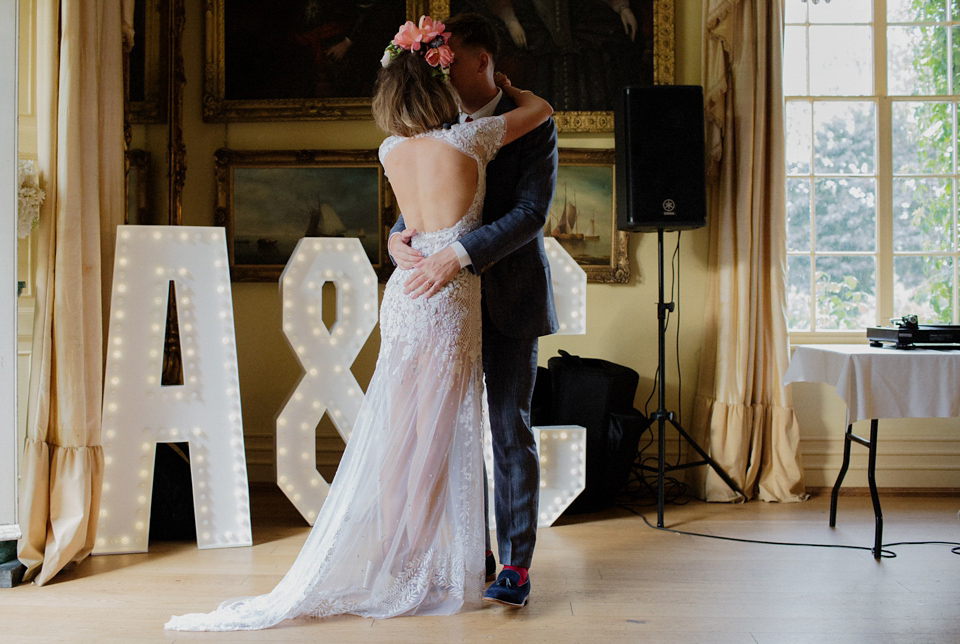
x: 356, y: 165
x: 612, y: 269
x: 662, y: 73
x: 218, y: 107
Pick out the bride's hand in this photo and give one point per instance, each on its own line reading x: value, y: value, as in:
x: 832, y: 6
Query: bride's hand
x: 500, y: 80
x: 400, y: 250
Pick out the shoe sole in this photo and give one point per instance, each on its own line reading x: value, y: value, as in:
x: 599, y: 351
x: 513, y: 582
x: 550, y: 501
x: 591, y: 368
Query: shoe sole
x: 491, y: 600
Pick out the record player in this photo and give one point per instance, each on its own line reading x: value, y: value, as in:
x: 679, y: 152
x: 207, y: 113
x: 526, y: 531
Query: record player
x: 908, y: 334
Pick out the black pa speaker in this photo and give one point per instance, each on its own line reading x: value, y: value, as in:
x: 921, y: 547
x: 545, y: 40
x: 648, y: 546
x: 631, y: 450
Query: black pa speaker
x: 660, y: 158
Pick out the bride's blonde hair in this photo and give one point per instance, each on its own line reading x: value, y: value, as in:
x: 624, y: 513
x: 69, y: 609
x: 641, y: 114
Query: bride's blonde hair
x: 411, y: 99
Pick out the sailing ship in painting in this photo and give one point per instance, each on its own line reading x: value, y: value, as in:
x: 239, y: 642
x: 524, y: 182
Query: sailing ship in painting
x: 324, y: 222
x: 321, y: 220
x: 565, y: 222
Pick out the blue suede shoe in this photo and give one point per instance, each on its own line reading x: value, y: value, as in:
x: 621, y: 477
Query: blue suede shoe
x: 491, y: 567
x: 505, y: 590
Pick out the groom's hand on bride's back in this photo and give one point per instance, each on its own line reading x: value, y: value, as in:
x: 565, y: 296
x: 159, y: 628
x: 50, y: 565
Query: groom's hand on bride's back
x: 400, y: 250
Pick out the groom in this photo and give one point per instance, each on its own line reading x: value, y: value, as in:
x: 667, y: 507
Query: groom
x: 507, y: 251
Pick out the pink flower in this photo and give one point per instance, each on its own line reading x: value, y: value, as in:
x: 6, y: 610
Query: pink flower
x: 431, y: 29
x: 442, y: 55
x: 409, y: 36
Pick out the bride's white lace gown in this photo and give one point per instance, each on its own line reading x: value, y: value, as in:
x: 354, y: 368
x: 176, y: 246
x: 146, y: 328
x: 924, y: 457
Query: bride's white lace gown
x: 401, y: 531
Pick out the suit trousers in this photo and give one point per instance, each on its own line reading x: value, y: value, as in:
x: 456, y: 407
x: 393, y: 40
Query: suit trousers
x: 510, y: 370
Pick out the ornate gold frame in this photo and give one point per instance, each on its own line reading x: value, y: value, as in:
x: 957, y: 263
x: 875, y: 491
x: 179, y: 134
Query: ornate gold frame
x: 227, y: 160
x: 664, y: 56
x: 618, y: 270
x: 217, y: 108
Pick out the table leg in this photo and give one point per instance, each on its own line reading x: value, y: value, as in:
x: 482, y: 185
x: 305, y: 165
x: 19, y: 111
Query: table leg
x: 871, y: 479
x: 843, y: 472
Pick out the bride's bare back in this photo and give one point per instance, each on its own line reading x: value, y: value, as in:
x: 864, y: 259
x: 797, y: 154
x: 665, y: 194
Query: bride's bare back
x: 434, y: 182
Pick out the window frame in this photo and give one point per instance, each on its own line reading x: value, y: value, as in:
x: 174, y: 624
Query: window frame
x: 884, y: 253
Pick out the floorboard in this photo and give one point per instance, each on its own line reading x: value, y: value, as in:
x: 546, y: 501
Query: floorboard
x: 604, y: 577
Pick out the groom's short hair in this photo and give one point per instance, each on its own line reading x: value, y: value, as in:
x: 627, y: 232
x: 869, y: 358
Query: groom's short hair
x: 474, y: 30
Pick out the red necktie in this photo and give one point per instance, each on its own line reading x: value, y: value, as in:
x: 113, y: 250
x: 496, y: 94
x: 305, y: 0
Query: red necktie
x: 468, y: 119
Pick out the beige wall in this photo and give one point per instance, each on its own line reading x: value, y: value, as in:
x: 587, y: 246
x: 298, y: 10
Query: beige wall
x: 621, y: 318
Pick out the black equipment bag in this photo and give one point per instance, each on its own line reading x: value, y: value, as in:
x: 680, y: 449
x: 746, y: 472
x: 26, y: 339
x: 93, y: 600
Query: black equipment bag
x: 598, y: 395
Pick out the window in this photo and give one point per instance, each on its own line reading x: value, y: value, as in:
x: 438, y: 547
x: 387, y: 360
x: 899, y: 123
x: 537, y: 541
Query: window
x: 871, y: 92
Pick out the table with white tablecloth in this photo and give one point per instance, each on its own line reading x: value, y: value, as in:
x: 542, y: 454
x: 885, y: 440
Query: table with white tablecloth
x: 875, y: 383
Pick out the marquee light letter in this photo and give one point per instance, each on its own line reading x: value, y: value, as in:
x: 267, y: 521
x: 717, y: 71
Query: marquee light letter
x: 327, y: 384
x: 139, y: 411
x: 569, y: 289
x: 563, y: 474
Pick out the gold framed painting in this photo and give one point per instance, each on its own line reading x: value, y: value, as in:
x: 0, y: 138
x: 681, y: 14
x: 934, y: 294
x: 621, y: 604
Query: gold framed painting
x: 269, y: 200
x: 583, y: 214
x: 296, y: 59
x: 577, y: 54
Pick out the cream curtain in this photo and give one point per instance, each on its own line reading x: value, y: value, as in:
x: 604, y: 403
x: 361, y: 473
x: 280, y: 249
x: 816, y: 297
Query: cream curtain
x: 742, y: 414
x: 80, y: 154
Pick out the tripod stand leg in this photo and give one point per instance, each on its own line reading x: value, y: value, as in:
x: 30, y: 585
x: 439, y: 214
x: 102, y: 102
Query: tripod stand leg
x: 716, y: 468
x: 661, y: 454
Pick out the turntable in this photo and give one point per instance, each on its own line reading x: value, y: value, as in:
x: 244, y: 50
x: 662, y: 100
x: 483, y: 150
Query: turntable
x: 908, y: 334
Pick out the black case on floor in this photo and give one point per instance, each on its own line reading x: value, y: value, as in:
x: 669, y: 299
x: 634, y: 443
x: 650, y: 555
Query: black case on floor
x: 598, y: 395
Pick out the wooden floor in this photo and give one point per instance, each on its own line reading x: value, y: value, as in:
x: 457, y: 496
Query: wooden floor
x: 604, y: 577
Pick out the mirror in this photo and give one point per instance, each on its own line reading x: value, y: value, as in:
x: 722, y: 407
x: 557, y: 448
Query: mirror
x: 154, y: 80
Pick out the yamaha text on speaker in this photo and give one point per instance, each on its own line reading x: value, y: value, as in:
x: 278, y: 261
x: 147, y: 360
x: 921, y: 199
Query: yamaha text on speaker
x: 660, y: 150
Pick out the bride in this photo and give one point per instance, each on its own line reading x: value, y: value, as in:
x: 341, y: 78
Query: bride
x: 401, y: 531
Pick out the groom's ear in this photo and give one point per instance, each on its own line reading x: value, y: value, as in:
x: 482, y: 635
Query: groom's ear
x: 484, y: 61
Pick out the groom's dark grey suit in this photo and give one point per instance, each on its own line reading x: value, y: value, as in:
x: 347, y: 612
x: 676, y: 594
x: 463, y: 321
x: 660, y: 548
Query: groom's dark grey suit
x: 518, y: 307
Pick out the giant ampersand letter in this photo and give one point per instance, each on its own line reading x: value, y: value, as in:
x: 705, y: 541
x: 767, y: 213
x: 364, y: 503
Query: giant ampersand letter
x: 327, y: 384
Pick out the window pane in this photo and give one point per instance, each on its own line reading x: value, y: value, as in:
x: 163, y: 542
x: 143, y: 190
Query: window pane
x: 798, y: 137
x: 798, y: 214
x: 795, y: 11
x: 846, y: 214
x: 841, y: 11
x: 923, y: 138
x: 924, y: 286
x: 916, y: 10
x: 922, y: 214
x: 841, y: 61
x: 844, y: 137
x: 798, y: 293
x: 795, y: 61
x: 916, y: 61
x: 846, y: 292
x: 955, y: 89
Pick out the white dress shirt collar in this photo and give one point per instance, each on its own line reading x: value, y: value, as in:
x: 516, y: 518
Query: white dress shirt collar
x: 486, y: 110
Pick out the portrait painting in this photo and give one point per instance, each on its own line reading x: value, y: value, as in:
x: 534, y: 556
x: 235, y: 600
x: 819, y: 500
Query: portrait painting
x: 296, y: 59
x: 137, y: 165
x: 578, y: 54
x: 269, y: 200
x: 146, y: 63
x: 583, y: 214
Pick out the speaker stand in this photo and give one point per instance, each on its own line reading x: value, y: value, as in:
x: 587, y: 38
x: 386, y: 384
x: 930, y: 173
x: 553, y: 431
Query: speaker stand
x: 662, y: 416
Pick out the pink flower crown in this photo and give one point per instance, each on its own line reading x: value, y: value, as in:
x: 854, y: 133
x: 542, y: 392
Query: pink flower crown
x: 429, y: 38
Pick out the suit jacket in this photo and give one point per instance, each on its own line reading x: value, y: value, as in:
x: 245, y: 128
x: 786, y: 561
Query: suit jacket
x: 507, y: 250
